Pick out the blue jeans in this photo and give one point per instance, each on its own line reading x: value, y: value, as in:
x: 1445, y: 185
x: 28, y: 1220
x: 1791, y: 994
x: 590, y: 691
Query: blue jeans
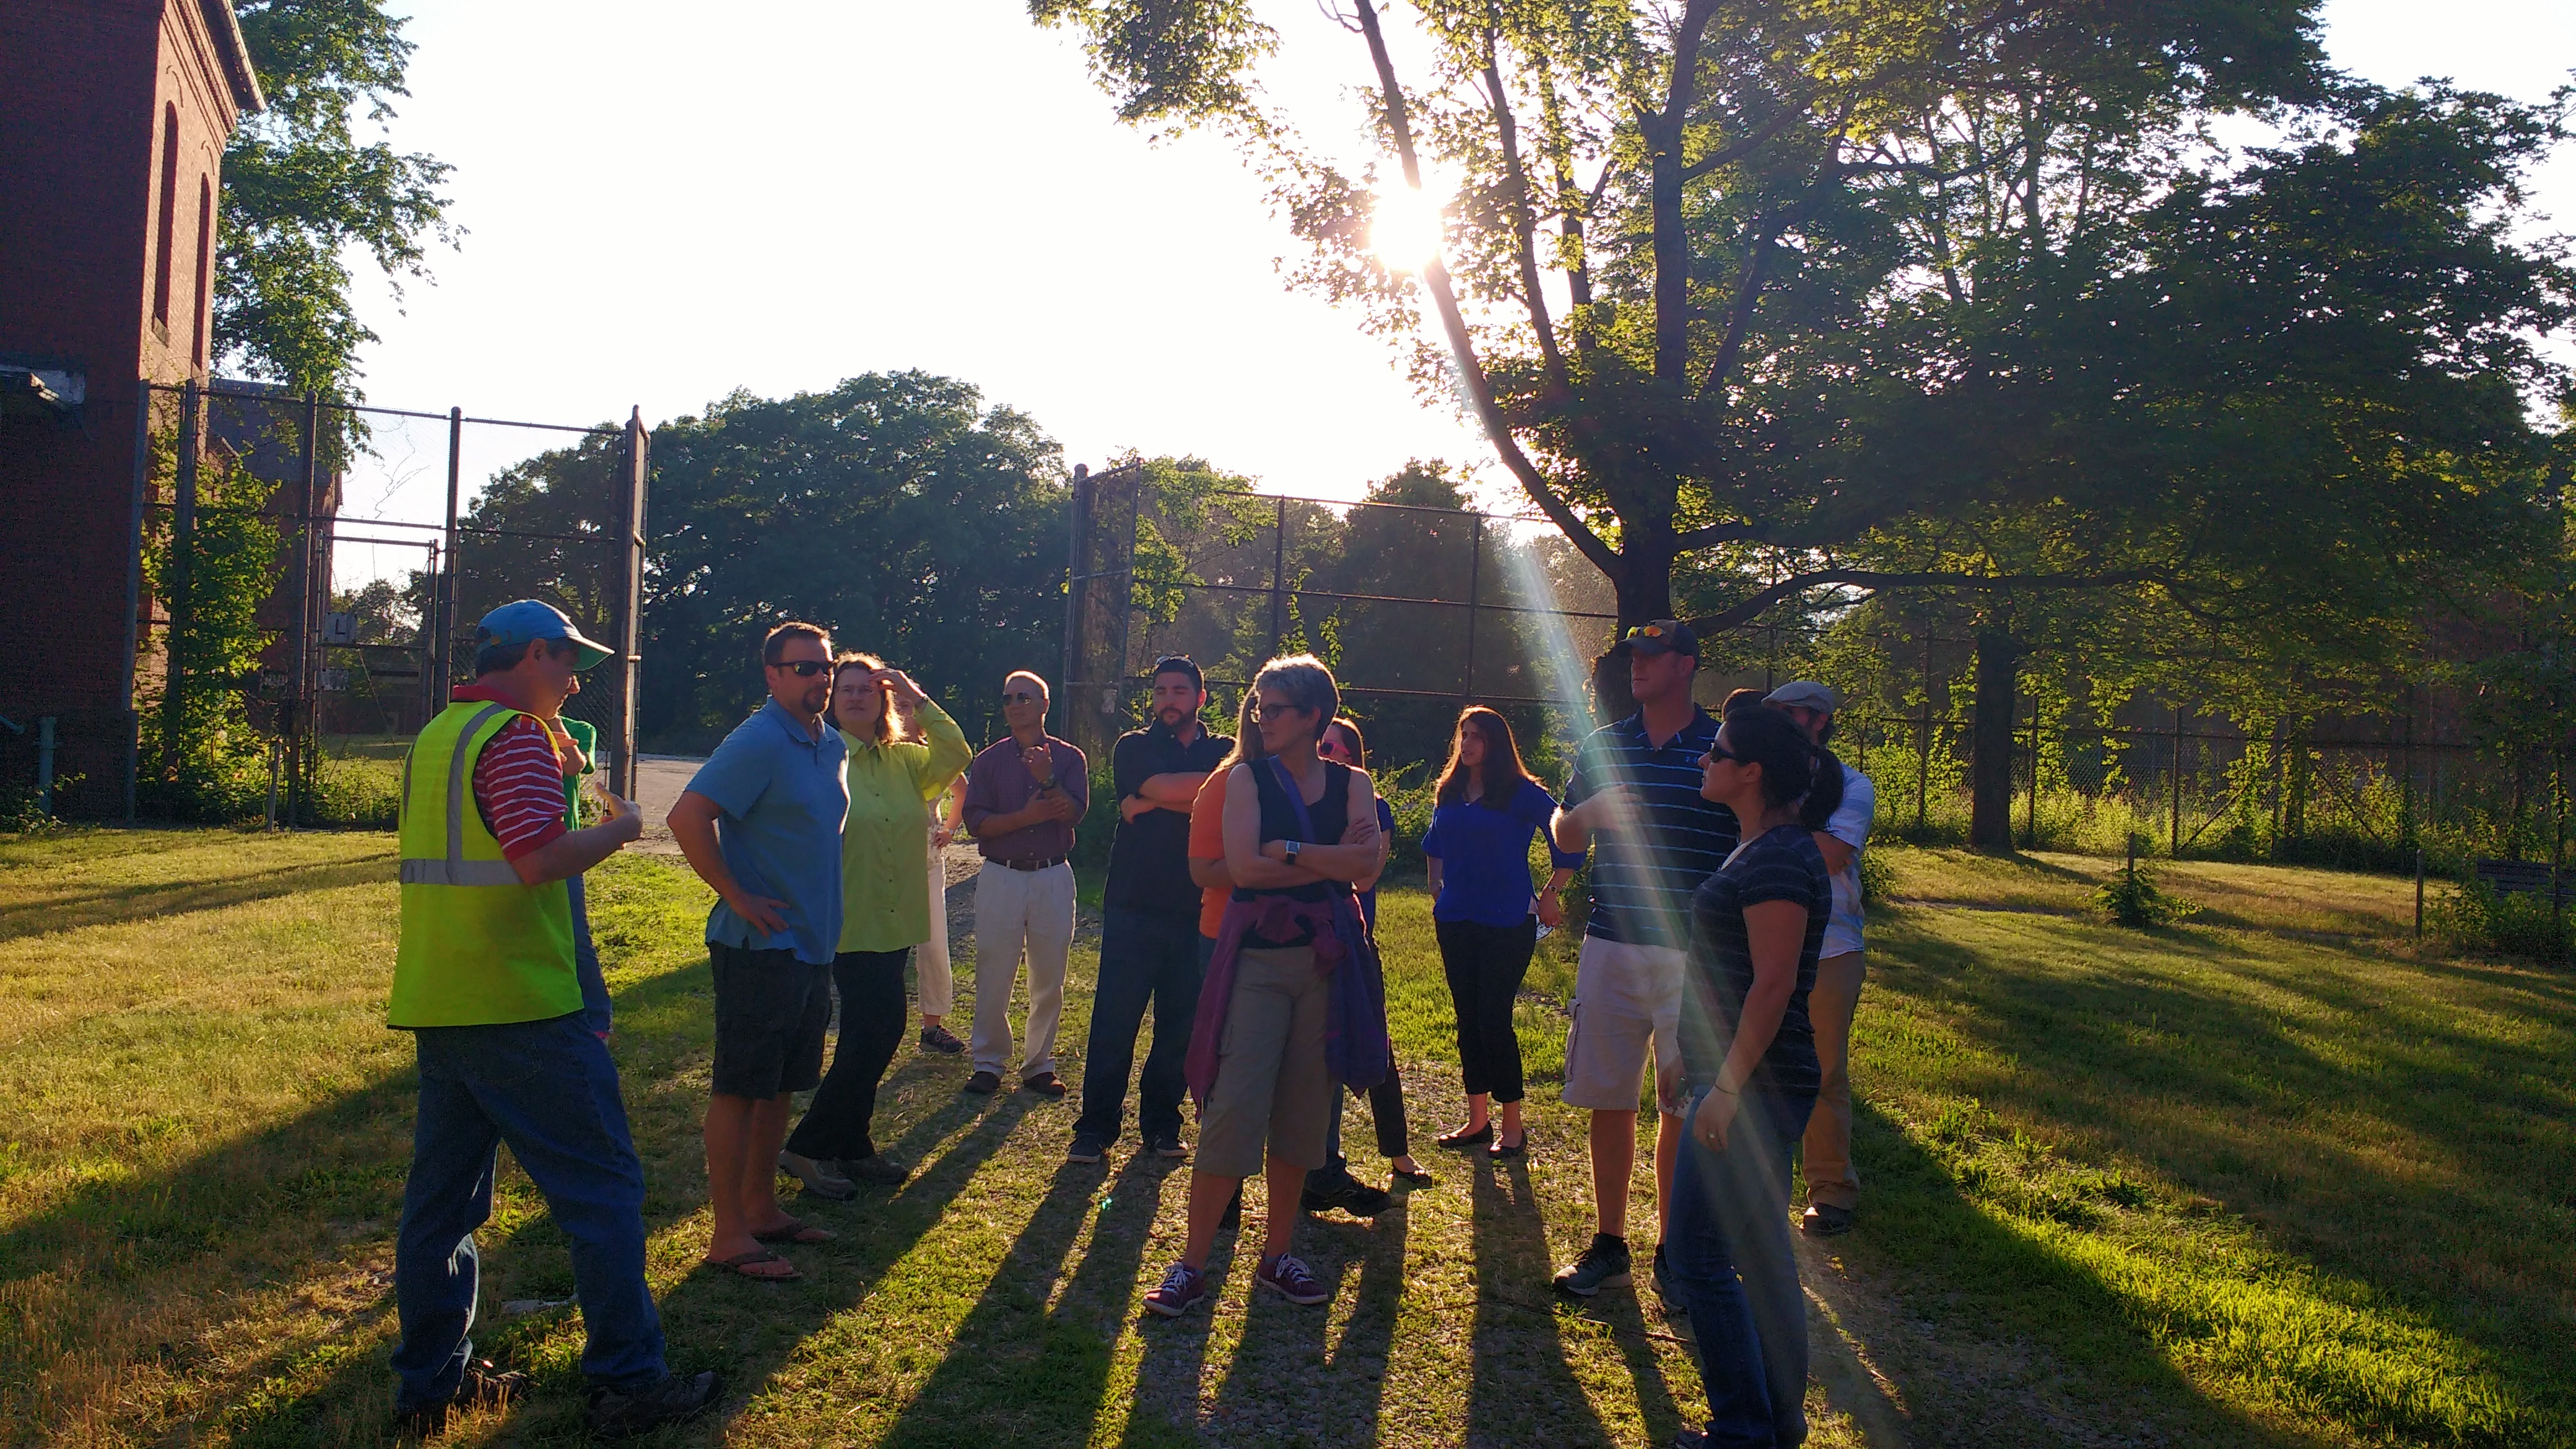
x: 595, y: 1007
x: 548, y: 1089
x: 1144, y: 958
x: 1729, y: 1252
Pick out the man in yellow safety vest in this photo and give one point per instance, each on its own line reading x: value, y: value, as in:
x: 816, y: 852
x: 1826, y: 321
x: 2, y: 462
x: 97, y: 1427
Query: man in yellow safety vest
x: 485, y: 980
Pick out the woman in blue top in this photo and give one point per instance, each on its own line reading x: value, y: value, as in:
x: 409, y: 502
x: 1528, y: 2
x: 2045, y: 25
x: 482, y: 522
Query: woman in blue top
x: 1484, y: 914
x: 1749, y: 1060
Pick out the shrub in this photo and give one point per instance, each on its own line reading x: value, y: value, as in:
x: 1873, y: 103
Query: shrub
x: 2131, y: 898
x: 2474, y: 916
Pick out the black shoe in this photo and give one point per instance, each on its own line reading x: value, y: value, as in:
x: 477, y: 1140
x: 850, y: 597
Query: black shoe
x: 485, y: 1385
x: 939, y: 1039
x: 1165, y: 1144
x: 1824, y: 1220
x: 1323, y: 1194
x: 1086, y: 1148
x: 1602, y: 1265
x: 614, y: 1415
x: 984, y: 1084
x: 1666, y: 1289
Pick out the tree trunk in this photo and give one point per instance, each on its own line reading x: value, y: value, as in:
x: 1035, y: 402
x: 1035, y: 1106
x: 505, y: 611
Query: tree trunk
x: 1990, y: 742
x: 1644, y: 584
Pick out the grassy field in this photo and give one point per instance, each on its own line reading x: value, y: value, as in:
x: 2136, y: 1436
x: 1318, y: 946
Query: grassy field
x: 2271, y: 1177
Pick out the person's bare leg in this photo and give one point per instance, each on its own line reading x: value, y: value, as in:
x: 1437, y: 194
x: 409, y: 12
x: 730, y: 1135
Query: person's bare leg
x: 1279, y: 1215
x: 728, y: 1133
x: 764, y: 1135
x: 1668, y: 1154
x: 1614, y: 1158
x: 1478, y: 1114
x: 1209, y: 1194
x: 1512, y: 1130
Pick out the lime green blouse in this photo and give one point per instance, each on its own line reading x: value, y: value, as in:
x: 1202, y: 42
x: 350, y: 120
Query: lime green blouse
x: 885, y: 843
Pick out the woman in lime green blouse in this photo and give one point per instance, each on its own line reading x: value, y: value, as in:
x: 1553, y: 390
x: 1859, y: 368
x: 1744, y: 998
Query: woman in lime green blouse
x: 903, y: 752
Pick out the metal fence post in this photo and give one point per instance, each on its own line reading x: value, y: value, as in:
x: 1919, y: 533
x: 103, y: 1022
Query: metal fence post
x: 2175, y: 839
x: 445, y: 589
x: 299, y: 706
x: 630, y: 593
x: 1475, y: 578
x: 134, y: 585
x: 1279, y: 579
x: 1076, y: 589
x: 183, y: 543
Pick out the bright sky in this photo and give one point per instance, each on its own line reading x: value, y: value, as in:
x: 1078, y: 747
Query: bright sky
x: 666, y: 202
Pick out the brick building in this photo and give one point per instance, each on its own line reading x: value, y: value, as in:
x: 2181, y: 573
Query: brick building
x: 114, y: 115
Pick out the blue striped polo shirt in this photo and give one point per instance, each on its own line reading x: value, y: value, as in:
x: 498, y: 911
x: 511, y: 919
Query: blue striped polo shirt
x: 1643, y: 875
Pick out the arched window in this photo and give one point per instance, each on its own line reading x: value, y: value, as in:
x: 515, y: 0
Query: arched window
x: 205, y: 263
x: 169, y: 216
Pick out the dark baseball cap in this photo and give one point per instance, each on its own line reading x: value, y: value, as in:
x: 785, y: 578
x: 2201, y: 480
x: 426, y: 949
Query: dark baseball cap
x: 1663, y: 636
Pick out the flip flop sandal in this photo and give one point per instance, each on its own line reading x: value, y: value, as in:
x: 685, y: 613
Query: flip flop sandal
x: 795, y: 1230
x: 740, y: 1265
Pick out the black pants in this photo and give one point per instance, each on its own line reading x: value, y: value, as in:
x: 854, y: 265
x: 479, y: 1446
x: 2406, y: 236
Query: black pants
x: 1485, y: 965
x: 873, y: 1013
x: 1386, y: 1111
x: 1145, y: 959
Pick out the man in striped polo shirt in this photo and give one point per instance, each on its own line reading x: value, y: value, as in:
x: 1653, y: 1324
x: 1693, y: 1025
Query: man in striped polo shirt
x: 1635, y: 792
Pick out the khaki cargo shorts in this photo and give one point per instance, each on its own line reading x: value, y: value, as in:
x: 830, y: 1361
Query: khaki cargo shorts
x: 1627, y: 1000
x: 1271, y: 1080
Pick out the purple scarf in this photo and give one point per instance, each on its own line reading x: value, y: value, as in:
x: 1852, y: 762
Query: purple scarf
x: 1356, y: 1050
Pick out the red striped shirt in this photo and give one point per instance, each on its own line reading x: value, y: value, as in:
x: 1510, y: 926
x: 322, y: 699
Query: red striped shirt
x: 518, y: 780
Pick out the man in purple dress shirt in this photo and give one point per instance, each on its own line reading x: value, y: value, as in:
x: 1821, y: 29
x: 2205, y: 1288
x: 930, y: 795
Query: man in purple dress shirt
x: 1023, y: 795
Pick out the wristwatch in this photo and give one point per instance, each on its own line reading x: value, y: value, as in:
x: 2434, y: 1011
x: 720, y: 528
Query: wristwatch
x: 1293, y: 848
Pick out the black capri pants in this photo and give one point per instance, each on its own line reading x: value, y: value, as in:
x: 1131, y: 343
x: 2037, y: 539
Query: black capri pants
x: 1485, y: 965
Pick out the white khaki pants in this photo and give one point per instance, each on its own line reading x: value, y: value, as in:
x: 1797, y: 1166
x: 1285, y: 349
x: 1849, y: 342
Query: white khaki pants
x: 938, y: 984
x: 1020, y: 913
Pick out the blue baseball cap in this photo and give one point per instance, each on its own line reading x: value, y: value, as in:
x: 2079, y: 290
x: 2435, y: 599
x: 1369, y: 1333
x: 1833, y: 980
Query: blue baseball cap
x: 525, y: 621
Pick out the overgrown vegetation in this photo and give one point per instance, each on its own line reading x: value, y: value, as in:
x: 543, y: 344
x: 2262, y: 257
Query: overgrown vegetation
x: 201, y: 757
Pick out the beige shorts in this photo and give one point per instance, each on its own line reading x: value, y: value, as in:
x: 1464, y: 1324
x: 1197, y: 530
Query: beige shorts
x: 1271, y: 1080
x: 1627, y: 999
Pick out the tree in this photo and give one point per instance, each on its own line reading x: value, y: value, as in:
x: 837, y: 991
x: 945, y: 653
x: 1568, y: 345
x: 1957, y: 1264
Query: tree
x: 897, y: 509
x: 1784, y: 298
x: 301, y: 191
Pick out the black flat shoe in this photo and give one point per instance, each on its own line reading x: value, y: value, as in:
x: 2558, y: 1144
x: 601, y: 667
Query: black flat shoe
x: 1502, y: 1150
x: 1481, y: 1135
x: 1417, y: 1179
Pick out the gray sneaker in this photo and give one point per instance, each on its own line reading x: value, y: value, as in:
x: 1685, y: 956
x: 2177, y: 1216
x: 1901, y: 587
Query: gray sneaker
x: 1602, y: 1265
x: 817, y: 1174
x: 879, y: 1169
x: 616, y: 1416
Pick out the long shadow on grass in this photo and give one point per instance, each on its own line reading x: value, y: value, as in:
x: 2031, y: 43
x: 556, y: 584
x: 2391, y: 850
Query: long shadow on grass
x: 115, y: 905
x: 1014, y: 1371
x: 2013, y: 1307
x: 2220, y: 1095
x: 1521, y: 1389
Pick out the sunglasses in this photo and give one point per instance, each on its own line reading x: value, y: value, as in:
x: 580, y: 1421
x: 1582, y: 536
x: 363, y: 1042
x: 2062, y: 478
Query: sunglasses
x: 1645, y: 631
x: 803, y: 668
x: 1019, y: 696
x: 1721, y: 752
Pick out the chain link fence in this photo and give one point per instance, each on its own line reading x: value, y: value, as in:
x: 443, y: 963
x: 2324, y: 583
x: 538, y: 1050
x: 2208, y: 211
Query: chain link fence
x: 309, y: 573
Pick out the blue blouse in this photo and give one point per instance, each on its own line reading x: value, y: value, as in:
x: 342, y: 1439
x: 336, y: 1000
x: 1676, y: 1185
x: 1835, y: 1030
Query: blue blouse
x: 1484, y: 856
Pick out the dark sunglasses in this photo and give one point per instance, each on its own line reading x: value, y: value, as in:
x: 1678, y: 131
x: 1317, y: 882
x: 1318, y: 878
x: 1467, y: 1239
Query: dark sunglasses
x: 803, y: 668
x: 1721, y: 752
x: 1019, y: 696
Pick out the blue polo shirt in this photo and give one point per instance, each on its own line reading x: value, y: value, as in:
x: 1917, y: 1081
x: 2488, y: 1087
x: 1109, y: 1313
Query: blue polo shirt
x: 1643, y: 877
x: 783, y: 798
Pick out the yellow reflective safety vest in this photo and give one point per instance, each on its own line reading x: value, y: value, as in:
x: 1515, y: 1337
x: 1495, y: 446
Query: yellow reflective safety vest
x: 478, y: 947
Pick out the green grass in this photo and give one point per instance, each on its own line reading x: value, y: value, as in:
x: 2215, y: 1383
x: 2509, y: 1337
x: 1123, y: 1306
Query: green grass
x: 2267, y: 1178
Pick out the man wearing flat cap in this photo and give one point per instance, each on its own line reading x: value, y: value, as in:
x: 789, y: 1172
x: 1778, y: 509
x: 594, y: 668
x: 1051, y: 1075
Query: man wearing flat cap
x: 1833, y: 1185
x: 486, y: 981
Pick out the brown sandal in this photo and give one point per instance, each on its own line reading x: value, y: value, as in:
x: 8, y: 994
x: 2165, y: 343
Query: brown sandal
x: 741, y: 1264
x: 795, y: 1230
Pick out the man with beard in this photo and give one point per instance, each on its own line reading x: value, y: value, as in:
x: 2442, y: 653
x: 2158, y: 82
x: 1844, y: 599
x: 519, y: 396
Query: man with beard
x: 1149, y: 948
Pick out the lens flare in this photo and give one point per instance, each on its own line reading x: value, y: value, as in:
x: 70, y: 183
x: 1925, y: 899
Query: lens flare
x: 1405, y: 229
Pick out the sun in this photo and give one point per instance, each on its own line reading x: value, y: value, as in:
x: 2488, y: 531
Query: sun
x: 1405, y: 229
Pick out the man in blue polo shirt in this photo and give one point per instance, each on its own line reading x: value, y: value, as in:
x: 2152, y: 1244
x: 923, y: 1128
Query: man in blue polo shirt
x: 1635, y: 791
x: 761, y: 825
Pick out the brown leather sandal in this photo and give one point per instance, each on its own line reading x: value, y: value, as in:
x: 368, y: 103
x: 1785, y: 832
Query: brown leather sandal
x: 741, y: 1264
